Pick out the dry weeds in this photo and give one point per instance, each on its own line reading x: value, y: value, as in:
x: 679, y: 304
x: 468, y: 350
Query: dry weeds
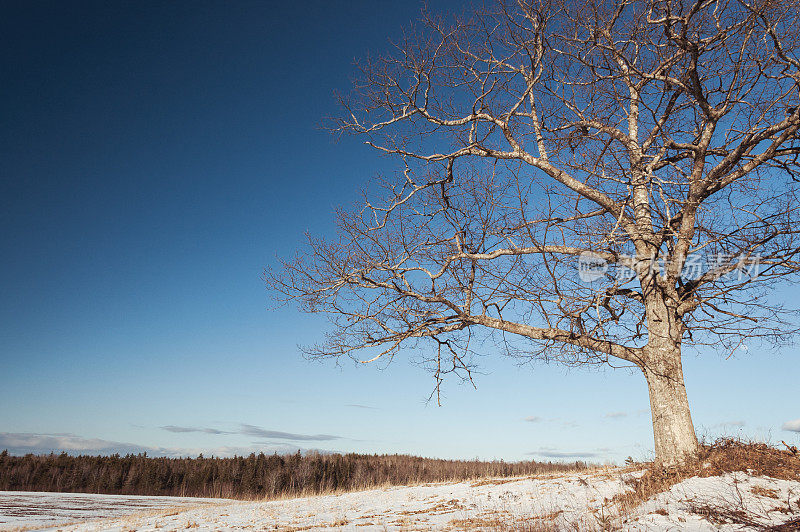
x: 721, y: 515
x: 725, y: 455
x: 765, y: 492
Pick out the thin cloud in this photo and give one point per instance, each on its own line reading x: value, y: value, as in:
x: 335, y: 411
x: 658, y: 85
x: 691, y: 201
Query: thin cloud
x: 252, y: 430
x: 28, y: 442
x: 361, y: 406
x: 538, y: 419
x: 792, y: 426
x: 616, y: 415
x: 35, y: 443
x: 205, y: 430
x: 554, y: 453
x: 727, y: 425
x: 550, y: 452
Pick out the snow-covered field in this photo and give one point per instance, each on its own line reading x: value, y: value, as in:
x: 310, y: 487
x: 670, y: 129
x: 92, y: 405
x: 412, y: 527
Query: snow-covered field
x: 570, y: 501
x: 37, y: 510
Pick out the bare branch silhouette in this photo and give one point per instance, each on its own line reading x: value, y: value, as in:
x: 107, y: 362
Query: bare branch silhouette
x: 648, y: 135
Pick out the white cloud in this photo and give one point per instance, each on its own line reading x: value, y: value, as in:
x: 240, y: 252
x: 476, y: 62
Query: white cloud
x: 206, y: 430
x: 729, y: 424
x: 252, y: 430
x: 551, y: 452
x: 533, y: 419
x: 792, y: 426
x: 24, y: 443
x: 614, y: 415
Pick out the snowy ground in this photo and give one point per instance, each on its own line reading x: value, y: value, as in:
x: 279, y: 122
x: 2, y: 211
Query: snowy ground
x: 762, y: 500
x: 573, y: 501
x: 40, y: 509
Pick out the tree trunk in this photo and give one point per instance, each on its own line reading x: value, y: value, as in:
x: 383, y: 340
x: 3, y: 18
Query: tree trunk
x: 673, y: 431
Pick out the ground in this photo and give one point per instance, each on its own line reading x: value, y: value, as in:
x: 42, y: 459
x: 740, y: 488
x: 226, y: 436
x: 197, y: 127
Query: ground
x: 578, y: 501
x: 35, y: 510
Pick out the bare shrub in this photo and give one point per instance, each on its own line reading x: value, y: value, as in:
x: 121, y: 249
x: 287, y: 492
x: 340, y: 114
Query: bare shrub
x: 725, y: 455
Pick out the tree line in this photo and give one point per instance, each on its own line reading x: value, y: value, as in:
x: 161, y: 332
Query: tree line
x: 254, y: 476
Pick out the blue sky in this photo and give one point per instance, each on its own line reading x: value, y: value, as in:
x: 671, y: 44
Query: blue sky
x: 155, y: 158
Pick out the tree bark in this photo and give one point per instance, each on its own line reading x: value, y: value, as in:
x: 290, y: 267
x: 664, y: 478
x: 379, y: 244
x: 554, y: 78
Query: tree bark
x: 673, y: 430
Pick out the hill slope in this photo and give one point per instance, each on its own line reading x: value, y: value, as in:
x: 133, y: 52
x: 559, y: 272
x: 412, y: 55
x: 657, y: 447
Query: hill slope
x: 582, y: 501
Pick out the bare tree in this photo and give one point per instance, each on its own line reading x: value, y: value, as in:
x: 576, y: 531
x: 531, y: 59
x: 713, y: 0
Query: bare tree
x: 652, y: 143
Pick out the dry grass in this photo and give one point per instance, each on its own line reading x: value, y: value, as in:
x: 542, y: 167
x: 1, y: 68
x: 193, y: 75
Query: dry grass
x: 725, y: 455
x: 493, y: 482
x: 501, y: 523
x: 475, y: 481
x: 728, y: 455
x: 765, y: 492
x: 720, y: 515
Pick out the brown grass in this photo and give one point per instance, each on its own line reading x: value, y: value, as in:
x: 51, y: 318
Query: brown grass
x: 722, y: 515
x: 725, y: 455
x: 493, y: 482
x: 501, y: 523
x: 765, y: 492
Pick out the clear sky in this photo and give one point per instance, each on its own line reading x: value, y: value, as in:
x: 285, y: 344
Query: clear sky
x: 154, y: 158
